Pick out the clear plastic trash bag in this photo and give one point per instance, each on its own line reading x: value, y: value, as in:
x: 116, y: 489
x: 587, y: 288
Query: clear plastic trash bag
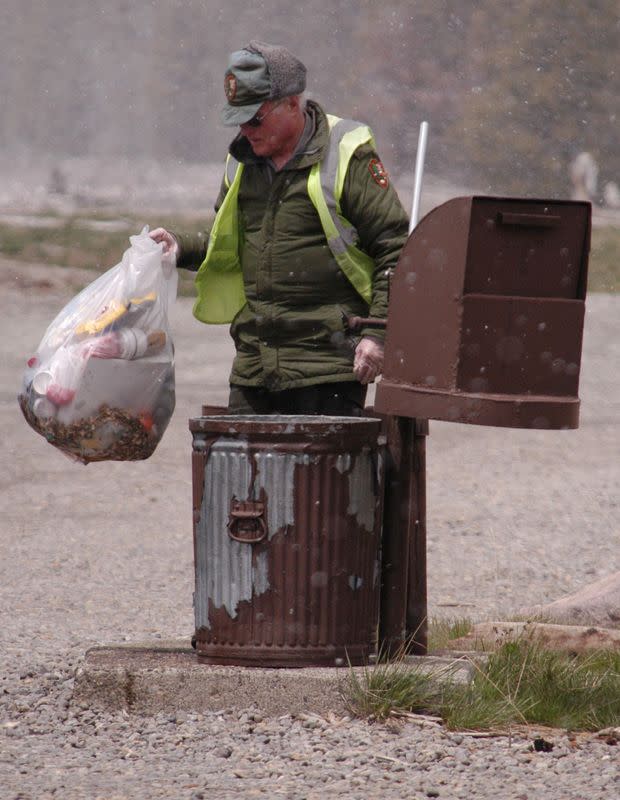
x: 100, y: 386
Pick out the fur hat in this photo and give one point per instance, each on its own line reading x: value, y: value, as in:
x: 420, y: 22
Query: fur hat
x: 258, y: 73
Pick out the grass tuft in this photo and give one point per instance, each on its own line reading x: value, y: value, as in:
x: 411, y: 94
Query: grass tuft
x: 441, y: 632
x: 519, y: 684
x: 389, y: 686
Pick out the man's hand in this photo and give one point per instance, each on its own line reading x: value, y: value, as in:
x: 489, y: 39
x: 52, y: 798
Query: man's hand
x: 170, y: 244
x: 368, y: 361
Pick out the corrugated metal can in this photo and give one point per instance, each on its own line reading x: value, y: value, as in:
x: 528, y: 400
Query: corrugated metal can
x: 287, y: 528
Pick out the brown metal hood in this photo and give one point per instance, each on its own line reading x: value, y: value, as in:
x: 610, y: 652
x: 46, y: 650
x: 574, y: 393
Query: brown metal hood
x: 485, y: 320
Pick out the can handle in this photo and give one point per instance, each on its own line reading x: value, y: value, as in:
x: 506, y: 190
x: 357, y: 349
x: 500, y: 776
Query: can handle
x: 246, y: 523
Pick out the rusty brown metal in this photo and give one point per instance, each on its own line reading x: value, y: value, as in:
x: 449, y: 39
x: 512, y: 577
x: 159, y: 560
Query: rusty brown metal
x: 485, y: 319
x: 212, y: 411
x: 417, y: 597
x: 300, y: 587
x: 355, y: 324
x: 247, y: 522
x: 403, y: 610
x: 396, y: 536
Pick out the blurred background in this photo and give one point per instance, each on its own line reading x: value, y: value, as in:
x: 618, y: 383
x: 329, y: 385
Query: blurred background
x: 110, y: 112
x: 110, y: 120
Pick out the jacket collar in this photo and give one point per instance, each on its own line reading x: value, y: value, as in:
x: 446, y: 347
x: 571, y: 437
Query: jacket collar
x: 313, y: 151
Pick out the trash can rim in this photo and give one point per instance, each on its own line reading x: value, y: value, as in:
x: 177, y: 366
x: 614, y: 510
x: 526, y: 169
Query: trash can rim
x: 283, y: 424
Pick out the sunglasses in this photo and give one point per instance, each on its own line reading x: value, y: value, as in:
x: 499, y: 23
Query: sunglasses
x: 257, y: 119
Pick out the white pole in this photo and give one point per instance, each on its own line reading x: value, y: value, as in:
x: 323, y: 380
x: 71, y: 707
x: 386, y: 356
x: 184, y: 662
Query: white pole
x: 419, y: 170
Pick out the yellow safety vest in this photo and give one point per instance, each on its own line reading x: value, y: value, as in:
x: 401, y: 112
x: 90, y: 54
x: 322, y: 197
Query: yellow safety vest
x: 219, y: 281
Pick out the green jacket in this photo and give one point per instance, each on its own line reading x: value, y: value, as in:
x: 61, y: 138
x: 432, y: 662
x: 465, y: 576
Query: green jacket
x: 291, y: 331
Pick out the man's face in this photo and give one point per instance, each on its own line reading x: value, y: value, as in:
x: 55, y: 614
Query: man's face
x: 277, y: 128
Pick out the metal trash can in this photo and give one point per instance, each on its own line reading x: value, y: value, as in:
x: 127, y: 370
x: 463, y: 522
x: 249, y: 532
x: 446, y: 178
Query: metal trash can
x: 287, y: 526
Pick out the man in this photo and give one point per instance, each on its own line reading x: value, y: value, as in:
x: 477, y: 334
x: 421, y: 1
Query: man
x: 307, y: 228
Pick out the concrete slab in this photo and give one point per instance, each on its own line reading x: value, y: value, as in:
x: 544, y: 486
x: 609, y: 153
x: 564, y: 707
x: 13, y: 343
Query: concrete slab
x: 148, y: 679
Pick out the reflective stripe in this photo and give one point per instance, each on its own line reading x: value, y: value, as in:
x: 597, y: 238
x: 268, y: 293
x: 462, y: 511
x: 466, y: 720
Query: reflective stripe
x: 337, y: 245
x: 332, y: 183
x: 325, y: 188
x: 230, y: 171
x: 333, y: 166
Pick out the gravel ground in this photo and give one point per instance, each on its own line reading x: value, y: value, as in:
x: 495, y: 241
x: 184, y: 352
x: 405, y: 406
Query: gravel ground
x: 104, y: 554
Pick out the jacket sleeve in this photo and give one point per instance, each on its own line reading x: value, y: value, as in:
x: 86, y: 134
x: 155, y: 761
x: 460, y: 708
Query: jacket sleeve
x: 193, y: 246
x: 370, y: 203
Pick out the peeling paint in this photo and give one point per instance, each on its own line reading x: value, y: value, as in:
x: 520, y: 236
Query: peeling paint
x: 275, y: 472
x: 223, y: 566
x: 260, y: 578
x: 355, y: 582
x: 362, y: 492
x: 343, y: 464
x: 226, y: 574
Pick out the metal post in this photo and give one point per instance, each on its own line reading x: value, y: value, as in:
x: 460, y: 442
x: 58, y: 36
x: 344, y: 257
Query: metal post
x: 417, y: 609
x: 419, y: 173
x: 403, y: 614
x: 397, y: 534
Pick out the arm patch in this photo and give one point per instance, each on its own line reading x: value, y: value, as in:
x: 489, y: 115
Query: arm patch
x: 378, y: 172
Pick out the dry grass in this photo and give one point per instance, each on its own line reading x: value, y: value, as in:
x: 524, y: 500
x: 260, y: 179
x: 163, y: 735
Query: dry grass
x: 519, y: 684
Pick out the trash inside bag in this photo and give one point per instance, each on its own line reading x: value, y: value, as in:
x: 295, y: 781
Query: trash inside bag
x: 101, y: 385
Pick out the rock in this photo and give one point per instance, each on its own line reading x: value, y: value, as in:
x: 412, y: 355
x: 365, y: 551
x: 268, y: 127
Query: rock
x: 576, y: 638
x: 596, y: 604
x: 542, y: 745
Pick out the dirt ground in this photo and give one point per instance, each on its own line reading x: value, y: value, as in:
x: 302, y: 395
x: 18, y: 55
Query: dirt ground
x: 104, y: 552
